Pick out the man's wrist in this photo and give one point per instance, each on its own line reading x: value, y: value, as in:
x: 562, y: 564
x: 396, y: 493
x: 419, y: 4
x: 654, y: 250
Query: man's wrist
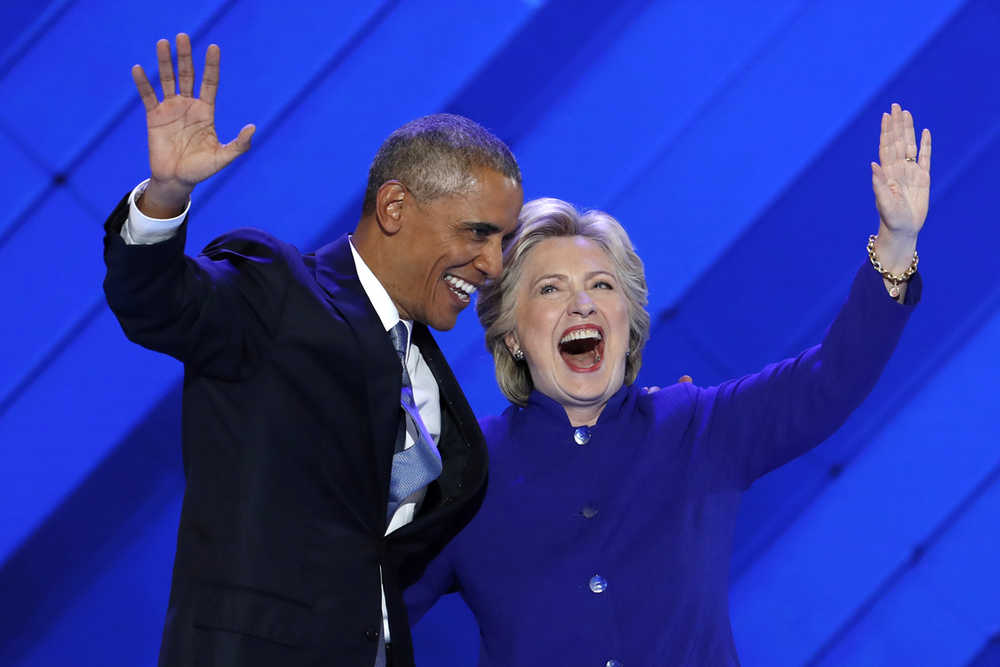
x: 142, y: 229
x: 162, y: 201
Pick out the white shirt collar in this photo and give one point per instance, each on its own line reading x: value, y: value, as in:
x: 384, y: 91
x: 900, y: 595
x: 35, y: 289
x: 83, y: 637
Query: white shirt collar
x: 387, y: 312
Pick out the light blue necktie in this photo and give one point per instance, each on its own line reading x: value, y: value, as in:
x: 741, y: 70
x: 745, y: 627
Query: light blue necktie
x: 418, y: 466
x: 412, y: 468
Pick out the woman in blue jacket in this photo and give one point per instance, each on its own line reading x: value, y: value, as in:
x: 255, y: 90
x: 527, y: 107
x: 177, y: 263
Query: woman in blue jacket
x: 606, y: 532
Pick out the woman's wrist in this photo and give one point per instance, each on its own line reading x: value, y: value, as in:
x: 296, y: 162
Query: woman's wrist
x: 895, y: 250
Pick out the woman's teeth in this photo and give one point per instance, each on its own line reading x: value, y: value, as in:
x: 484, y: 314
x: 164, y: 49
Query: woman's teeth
x: 580, y: 334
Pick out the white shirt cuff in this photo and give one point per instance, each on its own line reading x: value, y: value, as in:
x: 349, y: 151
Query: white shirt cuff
x: 140, y: 229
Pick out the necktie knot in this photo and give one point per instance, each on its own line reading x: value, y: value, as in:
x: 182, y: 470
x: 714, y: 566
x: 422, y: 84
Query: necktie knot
x: 416, y: 466
x: 400, y: 336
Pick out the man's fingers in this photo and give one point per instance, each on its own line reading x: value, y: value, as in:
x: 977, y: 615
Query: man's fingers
x: 241, y: 144
x: 166, y: 67
x: 145, y: 89
x: 185, y: 68
x: 925, y: 150
x: 210, y: 78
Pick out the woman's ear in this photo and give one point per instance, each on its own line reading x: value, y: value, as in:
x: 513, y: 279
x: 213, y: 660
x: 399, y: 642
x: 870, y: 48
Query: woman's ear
x: 513, y: 346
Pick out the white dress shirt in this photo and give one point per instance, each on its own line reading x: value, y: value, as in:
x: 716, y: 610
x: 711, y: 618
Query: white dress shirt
x: 140, y: 229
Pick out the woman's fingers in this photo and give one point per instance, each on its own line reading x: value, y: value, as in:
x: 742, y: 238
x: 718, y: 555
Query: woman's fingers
x: 908, y: 137
x: 925, y: 150
x: 898, y: 132
x: 885, y: 149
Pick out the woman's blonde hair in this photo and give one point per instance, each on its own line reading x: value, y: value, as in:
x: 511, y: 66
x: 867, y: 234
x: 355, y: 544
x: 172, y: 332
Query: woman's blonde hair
x: 542, y: 219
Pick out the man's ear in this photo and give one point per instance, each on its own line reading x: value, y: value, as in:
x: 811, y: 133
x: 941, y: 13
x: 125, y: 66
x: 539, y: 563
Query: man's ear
x: 389, y: 202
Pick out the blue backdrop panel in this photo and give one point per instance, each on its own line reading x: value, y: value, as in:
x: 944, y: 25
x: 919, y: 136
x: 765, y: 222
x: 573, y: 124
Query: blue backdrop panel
x: 940, y: 607
x: 65, y: 422
x: 258, y: 83
x: 55, y: 568
x: 125, y: 577
x: 772, y: 121
x: 889, y: 502
x: 778, y: 312
x: 62, y: 91
x: 25, y: 179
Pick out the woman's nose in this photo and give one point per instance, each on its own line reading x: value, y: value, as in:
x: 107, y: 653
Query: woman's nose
x: 581, y: 304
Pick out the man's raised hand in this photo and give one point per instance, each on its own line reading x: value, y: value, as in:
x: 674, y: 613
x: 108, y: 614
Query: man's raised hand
x: 183, y: 146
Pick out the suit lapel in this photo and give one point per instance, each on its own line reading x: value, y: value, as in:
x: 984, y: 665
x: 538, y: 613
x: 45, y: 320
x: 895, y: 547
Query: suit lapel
x: 337, y: 275
x: 462, y: 445
x: 452, y: 398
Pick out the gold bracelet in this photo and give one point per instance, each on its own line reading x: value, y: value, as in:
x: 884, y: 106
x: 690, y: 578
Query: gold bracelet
x: 894, y: 278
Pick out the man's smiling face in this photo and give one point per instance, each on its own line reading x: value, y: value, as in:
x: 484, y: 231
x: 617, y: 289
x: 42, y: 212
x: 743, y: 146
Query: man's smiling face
x: 452, y: 244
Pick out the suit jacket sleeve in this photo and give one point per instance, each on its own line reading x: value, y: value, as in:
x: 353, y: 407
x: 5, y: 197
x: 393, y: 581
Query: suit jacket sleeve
x: 216, y: 312
x: 761, y: 421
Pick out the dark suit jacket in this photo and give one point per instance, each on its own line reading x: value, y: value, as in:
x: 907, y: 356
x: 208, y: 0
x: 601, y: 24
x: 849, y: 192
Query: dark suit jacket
x: 290, y: 413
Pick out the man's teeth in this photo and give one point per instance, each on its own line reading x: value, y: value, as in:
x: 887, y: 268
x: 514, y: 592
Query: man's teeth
x: 580, y: 334
x: 465, y: 289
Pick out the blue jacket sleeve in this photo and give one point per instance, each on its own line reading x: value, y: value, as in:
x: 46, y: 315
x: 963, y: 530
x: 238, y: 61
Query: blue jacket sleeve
x: 756, y: 423
x: 438, y: 579
x: 217, y: 312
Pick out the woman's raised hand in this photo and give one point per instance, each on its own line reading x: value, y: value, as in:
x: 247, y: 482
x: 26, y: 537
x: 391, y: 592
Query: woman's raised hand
x: 902, y: 179
x: 183, y: 146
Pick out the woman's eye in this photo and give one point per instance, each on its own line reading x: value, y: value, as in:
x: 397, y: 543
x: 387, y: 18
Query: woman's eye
x: 603, y: 284
x: 547, y: 289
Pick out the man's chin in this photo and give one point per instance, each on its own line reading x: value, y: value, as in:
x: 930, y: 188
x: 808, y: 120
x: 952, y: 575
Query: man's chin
x: 442, y: 321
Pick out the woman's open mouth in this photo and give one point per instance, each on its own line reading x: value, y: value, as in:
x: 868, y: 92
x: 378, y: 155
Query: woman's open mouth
x: 582, y: 348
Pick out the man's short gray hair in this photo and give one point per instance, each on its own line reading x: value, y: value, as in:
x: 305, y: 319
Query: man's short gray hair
x: 436, y: 155
x: 541, y: 219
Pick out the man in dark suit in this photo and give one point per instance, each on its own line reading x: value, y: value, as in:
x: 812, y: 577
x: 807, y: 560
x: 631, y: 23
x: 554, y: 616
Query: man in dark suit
x: 324, y: 467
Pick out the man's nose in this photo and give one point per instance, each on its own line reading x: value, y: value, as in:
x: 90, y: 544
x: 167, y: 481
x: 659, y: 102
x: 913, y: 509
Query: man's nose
x: 490, y: 260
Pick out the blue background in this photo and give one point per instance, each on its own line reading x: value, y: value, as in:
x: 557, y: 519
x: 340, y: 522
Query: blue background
x: 731, y: 138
